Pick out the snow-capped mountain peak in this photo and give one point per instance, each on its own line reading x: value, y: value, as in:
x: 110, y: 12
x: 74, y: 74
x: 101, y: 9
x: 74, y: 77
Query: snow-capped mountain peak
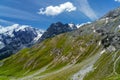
x: 15, y: 28
x: 16, y: 37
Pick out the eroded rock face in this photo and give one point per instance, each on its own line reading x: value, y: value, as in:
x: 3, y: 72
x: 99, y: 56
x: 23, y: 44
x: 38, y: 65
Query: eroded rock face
x: 109, y: 40
x: 57, y: 28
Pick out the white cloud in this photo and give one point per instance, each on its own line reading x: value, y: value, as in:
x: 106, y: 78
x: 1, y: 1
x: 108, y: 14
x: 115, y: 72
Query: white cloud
x: 16, y: 13
x: 56, y: 10
x: 86, y: 9
x: 2, y: 21
x: 117, y: 0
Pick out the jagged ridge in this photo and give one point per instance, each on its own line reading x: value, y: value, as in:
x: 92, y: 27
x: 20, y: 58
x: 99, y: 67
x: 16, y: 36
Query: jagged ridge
x: 16, y: 37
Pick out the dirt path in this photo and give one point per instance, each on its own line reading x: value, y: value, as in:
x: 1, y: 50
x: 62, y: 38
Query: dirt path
x: 114, y: 67
x: 52, y: 73
x: 36, y: 73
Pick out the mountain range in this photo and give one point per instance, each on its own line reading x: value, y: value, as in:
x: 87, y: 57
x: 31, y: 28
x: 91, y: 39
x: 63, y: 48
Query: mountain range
x: 16, y: 37
x: 64, y: 52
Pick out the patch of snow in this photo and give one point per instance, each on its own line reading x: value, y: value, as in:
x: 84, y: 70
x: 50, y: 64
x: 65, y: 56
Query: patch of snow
x: 38, y: 37
x: 39, y: 34
x: 22, y: 28
x: 94, y: 30
x: 102, y: 51
x: 8, y: 30
x: 106, y: 20
x: 117, y: 28
x: 99, y: 43
x: 80, y: 25
x: 71, y: 25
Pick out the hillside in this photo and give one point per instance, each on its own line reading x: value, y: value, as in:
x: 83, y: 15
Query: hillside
x: 88, y: 53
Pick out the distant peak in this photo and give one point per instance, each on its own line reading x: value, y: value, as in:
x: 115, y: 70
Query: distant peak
x: 57, y: 28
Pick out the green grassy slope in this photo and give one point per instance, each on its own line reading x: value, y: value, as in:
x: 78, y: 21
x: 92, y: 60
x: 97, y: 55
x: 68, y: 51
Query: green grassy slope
x: 77, y: 55
x: 62, y: 50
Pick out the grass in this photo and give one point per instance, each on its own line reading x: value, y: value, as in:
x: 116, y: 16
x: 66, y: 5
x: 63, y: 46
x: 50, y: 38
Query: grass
x: 104, y: 68
x: 60, y: 51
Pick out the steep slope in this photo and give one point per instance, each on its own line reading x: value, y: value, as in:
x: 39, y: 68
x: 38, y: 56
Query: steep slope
x: 55, y: 53
x: 16, y: 37
x: 88, y: 53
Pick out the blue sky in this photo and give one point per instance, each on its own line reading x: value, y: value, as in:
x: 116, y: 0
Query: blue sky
x: 41, y: 13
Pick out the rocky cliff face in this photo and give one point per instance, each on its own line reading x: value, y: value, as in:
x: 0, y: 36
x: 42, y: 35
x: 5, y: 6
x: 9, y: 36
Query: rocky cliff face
x: 57, y: 28
x: 16, y: 37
